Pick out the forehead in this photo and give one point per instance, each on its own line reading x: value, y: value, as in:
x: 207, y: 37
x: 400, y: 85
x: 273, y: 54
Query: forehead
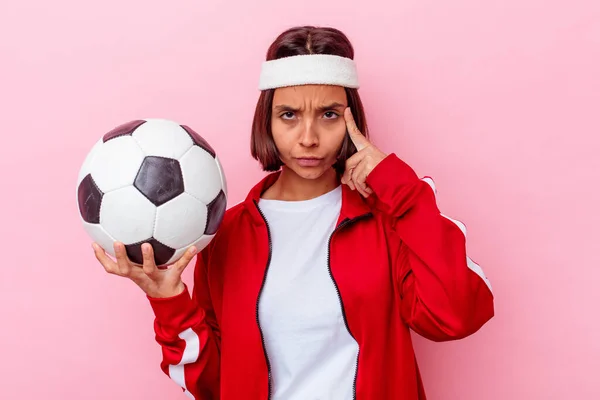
x: 295, y: 95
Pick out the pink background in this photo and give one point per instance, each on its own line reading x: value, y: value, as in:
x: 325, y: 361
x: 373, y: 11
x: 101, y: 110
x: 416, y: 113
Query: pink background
x: 498, y: 100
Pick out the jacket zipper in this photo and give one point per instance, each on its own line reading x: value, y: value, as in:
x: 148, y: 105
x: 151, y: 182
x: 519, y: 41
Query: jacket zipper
x: 262, y: 338
x: 344, y: 223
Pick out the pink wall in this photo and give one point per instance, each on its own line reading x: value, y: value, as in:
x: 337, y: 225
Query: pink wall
x: 498, y: 100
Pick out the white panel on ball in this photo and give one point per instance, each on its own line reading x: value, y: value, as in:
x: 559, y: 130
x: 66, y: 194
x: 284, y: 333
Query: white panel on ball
x: 163, y: 138
x: 87, y: 163
x: 100, y: 236
x: 116, y: 163
x: 180, y: 221
x: 127, y: 215
x: 201, y: 175
x: 200, y: 245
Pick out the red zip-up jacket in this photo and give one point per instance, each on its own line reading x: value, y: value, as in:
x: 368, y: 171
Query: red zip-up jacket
x: 397, y: 264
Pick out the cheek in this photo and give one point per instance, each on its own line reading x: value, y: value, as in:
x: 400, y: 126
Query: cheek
x: 335, y: 138
x: 281, y: 136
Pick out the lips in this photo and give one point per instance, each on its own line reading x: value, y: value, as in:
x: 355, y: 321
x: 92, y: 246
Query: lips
x: 309, y: 161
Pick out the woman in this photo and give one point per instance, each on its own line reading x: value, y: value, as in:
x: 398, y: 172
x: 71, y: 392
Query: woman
x: 310, y: 287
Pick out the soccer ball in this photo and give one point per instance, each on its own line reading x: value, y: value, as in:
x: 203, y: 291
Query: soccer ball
x: 153, y: 181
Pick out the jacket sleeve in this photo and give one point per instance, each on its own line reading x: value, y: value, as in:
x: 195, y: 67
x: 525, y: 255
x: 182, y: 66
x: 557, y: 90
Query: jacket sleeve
x: 444, y: 294
x: 187, y: 331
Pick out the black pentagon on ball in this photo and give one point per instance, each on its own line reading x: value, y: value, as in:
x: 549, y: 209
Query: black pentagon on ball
x: 159, y: 179
x: 216, y: 210
x: 162, y: 253
x: 199, y: 140
x: 123, y: 129
x: 89, y: 197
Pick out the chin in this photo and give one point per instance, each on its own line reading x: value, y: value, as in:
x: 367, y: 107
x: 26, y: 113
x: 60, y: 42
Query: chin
x: 309, y: 173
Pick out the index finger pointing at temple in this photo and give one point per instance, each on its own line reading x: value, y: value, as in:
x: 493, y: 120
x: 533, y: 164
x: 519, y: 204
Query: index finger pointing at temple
x: 359, y: 140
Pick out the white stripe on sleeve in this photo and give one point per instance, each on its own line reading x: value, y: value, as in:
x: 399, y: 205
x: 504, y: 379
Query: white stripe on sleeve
x: 473, y: 266
x: 191, y: 353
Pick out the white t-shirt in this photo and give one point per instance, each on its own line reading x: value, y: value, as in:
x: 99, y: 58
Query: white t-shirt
x: 311, y: 353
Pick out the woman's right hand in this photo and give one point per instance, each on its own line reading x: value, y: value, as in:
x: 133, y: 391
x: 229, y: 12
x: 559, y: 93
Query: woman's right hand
x: 155, y: 282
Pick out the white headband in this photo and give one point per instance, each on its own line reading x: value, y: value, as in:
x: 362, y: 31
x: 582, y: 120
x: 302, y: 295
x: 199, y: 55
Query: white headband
x: 317, y: 69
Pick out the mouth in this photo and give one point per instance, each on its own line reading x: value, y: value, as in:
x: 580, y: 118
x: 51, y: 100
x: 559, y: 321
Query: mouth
x: 309, y: 161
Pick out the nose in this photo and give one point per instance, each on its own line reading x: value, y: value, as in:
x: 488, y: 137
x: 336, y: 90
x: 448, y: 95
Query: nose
x: 309, y: 136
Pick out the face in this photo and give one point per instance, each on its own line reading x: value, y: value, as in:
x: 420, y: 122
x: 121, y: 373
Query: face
x: 308, y: 127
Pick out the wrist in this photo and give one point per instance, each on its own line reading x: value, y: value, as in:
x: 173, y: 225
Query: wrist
x: 165, y: 293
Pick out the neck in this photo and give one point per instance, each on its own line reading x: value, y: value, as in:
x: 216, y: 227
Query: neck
x: 292, y: 187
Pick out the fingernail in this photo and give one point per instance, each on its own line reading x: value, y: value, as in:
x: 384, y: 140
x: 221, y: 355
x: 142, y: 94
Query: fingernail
x: 193, y: 249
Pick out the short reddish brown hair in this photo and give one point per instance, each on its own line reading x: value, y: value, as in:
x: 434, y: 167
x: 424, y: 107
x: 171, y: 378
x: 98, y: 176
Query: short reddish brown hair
x: 300, y: 41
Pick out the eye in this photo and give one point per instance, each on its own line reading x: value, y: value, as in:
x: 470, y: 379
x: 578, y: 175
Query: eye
x: 287, y: 115
x: 330, y: 115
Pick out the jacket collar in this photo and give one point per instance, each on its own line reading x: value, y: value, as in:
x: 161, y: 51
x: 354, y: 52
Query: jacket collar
x: 353, y: 204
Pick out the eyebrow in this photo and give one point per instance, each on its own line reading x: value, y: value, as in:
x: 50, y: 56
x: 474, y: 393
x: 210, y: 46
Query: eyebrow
x: 332, y: 106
